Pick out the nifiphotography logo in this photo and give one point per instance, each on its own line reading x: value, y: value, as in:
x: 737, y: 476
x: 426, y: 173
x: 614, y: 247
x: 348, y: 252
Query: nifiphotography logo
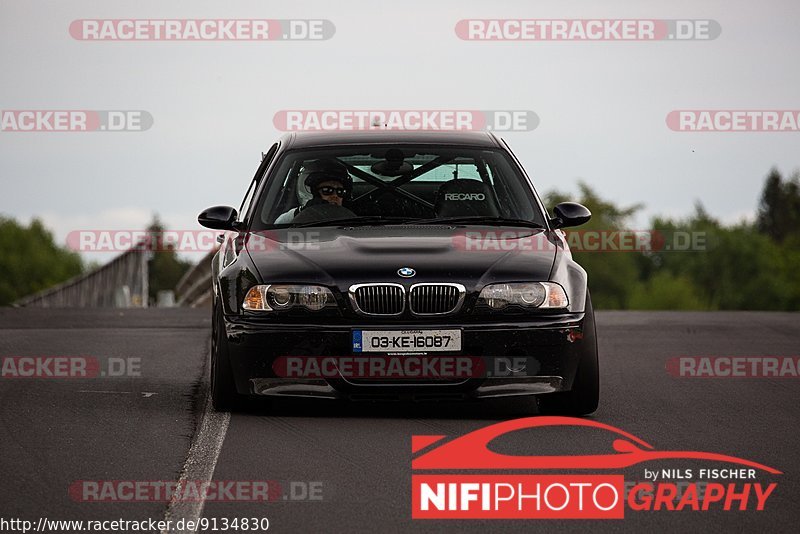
x: 464, y: 478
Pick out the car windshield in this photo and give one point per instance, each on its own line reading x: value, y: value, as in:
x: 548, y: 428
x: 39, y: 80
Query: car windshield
x: 395, y: 185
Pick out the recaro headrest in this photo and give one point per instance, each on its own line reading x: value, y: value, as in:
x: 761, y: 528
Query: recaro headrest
x: 461, y: 197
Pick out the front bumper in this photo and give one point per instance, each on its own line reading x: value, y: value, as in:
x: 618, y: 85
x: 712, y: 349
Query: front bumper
x: 528, y: 357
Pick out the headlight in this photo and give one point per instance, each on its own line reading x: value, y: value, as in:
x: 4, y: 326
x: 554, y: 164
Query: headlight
x: 279, y: 297
x: 525, y: 295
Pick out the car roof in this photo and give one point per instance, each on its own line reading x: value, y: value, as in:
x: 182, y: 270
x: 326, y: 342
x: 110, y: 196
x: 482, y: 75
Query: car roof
x: 320, y: 139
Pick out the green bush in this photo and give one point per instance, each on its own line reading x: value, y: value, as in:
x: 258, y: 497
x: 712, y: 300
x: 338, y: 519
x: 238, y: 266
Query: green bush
x: 31, y: 261
x: 665, y: 291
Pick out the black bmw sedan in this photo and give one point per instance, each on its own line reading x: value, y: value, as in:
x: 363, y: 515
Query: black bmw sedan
x: 384, y: 265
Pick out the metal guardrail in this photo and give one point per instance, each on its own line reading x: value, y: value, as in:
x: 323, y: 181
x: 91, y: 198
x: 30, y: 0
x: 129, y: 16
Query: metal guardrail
x: 121, y: 283
x: 194, y: 288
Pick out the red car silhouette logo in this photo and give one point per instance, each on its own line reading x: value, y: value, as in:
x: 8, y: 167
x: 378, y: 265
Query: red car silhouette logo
x: 471, y: 451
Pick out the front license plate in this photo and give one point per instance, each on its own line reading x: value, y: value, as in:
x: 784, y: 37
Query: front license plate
x: 406, y: 340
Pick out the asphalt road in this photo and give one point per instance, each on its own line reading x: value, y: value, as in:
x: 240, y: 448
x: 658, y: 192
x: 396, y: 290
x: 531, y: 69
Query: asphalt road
x: 355, y: 459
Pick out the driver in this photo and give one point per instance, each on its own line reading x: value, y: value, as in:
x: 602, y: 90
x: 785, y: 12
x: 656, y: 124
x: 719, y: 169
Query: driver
x: 329, y: 183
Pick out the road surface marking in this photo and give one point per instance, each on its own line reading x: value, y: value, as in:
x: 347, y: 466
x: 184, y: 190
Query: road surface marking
x: 145, y: 394
x: 105, y: 391
x: 199, y: 466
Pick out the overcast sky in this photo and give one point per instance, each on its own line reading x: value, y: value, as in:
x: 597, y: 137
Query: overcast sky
x: 602, y: 105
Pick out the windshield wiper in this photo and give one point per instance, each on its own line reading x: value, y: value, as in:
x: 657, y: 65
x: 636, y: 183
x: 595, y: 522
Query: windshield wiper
x: 479, y: 219
x: 365, y: 220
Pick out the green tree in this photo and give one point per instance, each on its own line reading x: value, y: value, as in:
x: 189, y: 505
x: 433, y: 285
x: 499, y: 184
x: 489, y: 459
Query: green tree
x: 165, y: 268
x: 31, y: 261
x: 734, y: 268
x: 779, y: 208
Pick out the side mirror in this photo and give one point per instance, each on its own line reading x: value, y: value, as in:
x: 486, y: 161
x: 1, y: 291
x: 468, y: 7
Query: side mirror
x: 570, y: 214
x: 218, y: 218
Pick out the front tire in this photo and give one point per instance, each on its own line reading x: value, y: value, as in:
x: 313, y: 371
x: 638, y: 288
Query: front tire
x: 584, y: 396
x: 224, y: 396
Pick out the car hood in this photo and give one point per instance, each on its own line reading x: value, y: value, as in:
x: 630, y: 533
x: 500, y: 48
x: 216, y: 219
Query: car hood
x: 340, y: 257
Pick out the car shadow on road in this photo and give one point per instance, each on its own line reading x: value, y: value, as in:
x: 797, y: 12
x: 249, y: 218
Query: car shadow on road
x: 490, y: 409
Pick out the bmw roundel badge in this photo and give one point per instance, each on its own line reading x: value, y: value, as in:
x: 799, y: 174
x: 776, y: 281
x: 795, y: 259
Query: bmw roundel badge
x: 406, y: 272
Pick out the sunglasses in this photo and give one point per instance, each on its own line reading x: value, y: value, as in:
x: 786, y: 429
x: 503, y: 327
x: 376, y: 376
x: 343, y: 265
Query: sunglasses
x: 328, y: 190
